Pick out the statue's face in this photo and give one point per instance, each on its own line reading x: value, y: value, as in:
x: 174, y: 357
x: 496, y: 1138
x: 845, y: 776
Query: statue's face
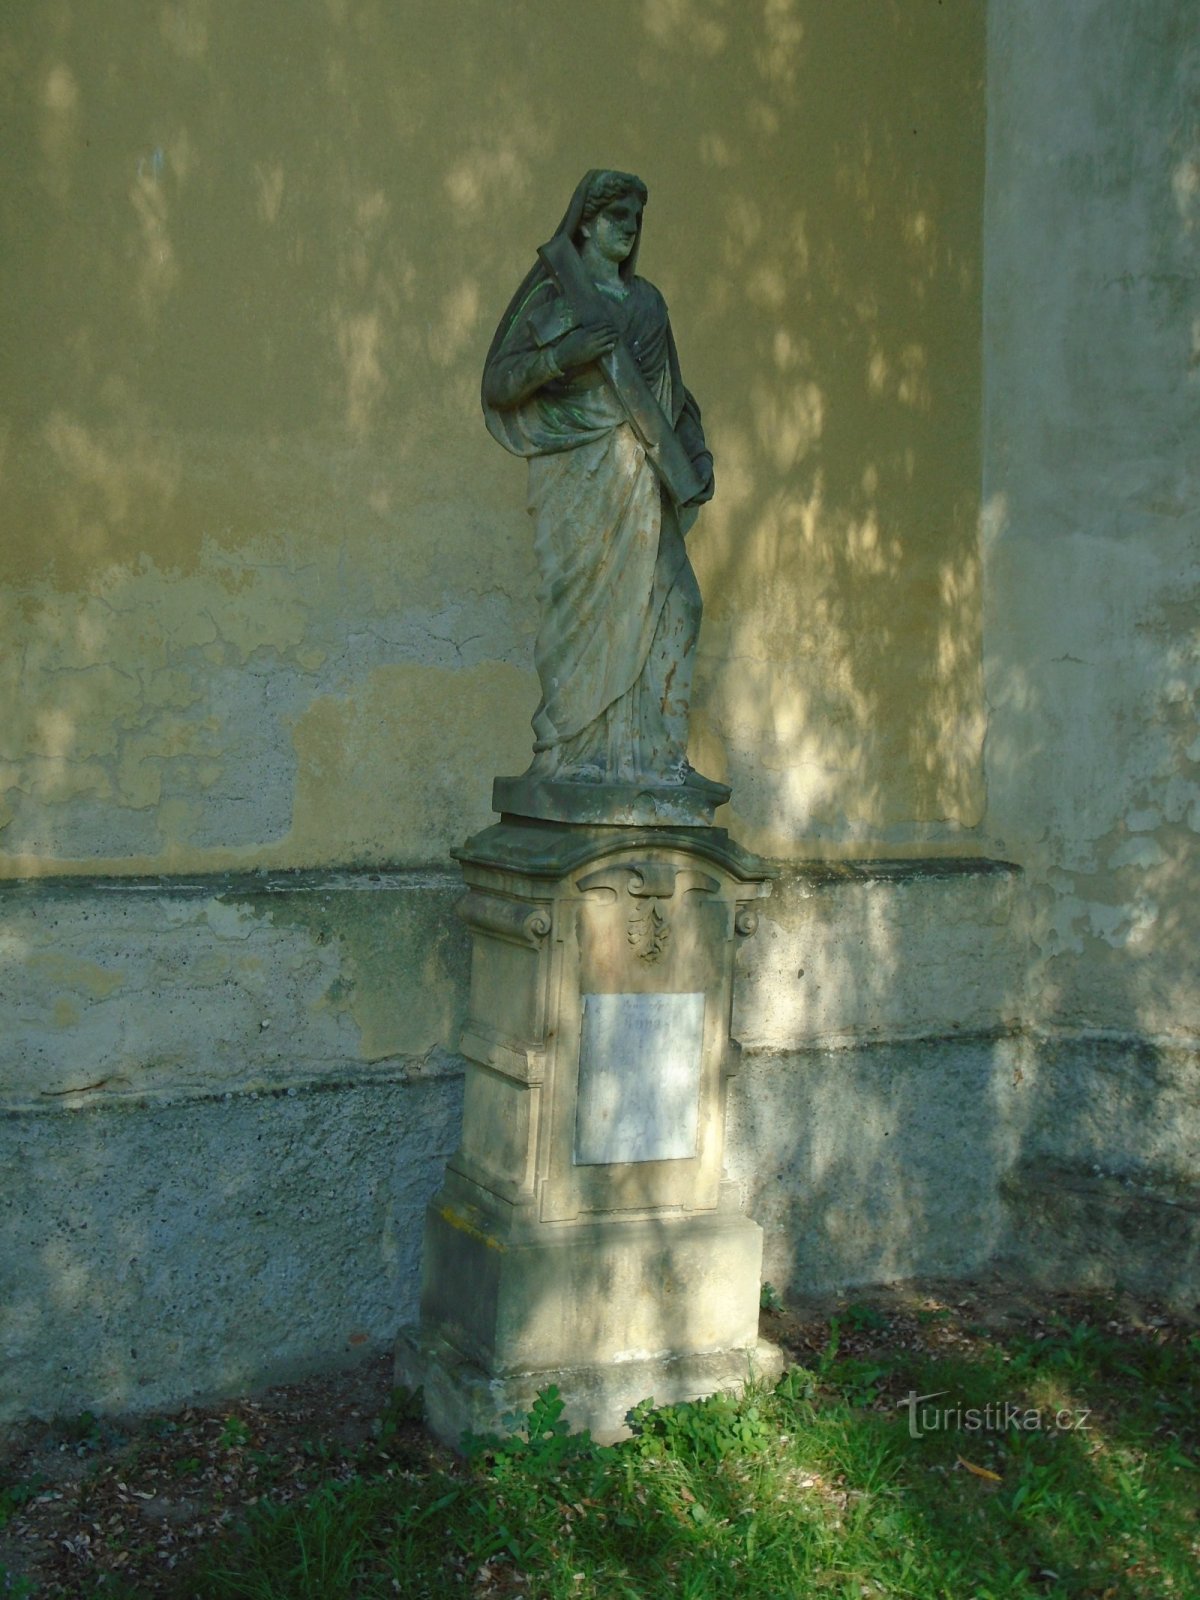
x: 615, y: 229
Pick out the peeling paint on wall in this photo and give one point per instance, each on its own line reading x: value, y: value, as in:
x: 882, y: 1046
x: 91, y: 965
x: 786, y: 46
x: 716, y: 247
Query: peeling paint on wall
x: 176, y: 989
x: 216, y: 719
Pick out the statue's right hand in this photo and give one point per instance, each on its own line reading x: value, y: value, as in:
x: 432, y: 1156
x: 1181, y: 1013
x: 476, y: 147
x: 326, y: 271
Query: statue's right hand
x: 585, y: 344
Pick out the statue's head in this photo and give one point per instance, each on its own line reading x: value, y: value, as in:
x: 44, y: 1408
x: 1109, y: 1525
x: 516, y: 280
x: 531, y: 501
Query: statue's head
x: 604, y: 187
x: 610, y: 217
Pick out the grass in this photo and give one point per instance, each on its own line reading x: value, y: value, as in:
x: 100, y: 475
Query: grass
x: 1060, y: 1457
x: 828, y: 1485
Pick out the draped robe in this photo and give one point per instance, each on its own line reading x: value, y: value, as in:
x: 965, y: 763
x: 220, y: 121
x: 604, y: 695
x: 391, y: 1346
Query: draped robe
x: 619, y: 603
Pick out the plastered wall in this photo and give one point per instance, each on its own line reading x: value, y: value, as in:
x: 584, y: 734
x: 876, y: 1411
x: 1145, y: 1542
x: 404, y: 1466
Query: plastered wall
x: 228, y: 1099
x: 267, y: 604
x: 268, y: 599
x: 265, y: 580
x: 1091, y: 532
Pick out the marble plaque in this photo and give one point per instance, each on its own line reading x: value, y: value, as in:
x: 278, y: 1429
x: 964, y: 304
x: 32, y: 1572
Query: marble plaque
x: 639, y: 1077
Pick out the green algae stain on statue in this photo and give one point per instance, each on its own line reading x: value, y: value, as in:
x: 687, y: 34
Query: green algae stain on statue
x: 583, y: 380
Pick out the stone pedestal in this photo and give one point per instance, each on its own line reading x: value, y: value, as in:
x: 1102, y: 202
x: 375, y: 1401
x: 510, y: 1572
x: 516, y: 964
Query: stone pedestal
x: 584, y: 1234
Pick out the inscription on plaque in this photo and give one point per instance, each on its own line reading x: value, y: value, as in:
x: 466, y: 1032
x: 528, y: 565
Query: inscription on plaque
x: 639, y: 1078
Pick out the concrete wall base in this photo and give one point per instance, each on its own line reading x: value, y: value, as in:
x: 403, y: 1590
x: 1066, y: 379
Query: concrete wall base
x: 1096, y: 1230
x: 193, y: 1203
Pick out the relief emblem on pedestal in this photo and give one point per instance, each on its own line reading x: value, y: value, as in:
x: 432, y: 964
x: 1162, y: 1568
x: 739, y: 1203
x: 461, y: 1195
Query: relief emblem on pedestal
x: 646, y: 899
x: 649, y: 929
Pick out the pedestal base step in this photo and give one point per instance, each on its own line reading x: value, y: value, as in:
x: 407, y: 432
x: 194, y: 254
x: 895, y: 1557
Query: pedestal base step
x: 460, y: 1397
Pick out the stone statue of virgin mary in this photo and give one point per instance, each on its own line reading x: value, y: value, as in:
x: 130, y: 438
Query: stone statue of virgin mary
x: 582, y: 379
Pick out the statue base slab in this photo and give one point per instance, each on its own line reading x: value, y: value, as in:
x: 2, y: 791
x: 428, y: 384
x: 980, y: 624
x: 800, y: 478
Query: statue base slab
x: 545, y: 1296
x: 642, y: 805
x: 460, y: 1397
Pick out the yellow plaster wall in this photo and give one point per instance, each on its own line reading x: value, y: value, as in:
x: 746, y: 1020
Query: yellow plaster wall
x: 266, y: 588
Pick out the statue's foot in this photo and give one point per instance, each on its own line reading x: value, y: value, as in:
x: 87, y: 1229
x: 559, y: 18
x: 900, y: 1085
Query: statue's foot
x: 545, y: 768
x: 689, y: 778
